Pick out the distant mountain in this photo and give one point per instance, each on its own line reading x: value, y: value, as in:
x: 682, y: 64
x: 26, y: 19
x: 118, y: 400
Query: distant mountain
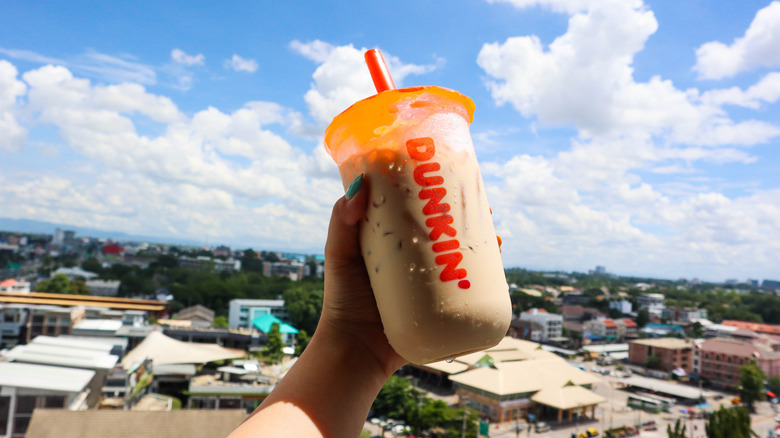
x: 42, y: 227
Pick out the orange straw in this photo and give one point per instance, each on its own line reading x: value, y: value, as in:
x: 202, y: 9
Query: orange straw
x: 378, y: 69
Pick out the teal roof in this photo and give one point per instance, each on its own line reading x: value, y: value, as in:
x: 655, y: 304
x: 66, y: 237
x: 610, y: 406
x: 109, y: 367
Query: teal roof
x: 264, y: 323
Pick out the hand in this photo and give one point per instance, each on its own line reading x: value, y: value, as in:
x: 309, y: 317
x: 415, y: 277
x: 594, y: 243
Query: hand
x: 349, y: 309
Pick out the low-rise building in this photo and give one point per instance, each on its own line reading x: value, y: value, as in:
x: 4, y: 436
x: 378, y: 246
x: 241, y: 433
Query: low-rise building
x: 201, y: 316
x: 580, y: 314
x: 516, y: 379
x: 24, y: 386
x: 241, y: 312
x: 721, y: 358
x: 604, y: 328
x: 105, y: 288
x: 552, y: 323
x: 673, y: 353
x: 526, y: 329
x: 770, y: 329
x: 684, y: 314
x: 292, y: 269
x: 622, y: 306
x: 654, y: 303
x: 178, y: 423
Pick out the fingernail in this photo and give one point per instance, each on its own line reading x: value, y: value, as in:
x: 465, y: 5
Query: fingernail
x: 354, y: 187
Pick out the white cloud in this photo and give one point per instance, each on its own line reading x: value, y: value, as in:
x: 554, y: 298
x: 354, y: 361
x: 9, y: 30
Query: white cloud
x: 594, y: 194
x: 317, y: 51
x: 757, y: 48
x: 12, y: 134
x: 238, y: 63
x: 767, y: 90
x: 95, y: 65
x: 181, y: 57
x: 342, y: 78
x: 227, y: 175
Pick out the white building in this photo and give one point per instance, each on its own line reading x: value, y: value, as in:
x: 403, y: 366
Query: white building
x: 654, y: 303
x: 241, y: 312
x: 552, y: 323
x: 23, y: 386
x: 623, y: 306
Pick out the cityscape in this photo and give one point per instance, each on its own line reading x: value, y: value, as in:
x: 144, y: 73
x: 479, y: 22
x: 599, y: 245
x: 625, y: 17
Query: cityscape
x: 93, y: 331
x: 169, y: 170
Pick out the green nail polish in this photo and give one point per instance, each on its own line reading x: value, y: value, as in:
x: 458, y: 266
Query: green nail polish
x: 354, y: 187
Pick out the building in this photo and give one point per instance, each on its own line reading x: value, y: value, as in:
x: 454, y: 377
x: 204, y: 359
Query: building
x: 622, y: 306
x: 264, y: 324
x: 18, y: 286
x: 684, y: 314
x: 183, y: 423
x: 516, y: 379
x: 200, y: 316
x: 292, y: 269
x: 105, y: 288
x: 241, y: 312
x: 24, y: 386
x: 770, y: 329
x: 720, y: 358
x: 673, y: 353
x: 627, y: 328
x: 580, y: 314
x: 229, y: 338
x: 203, y: 263
x: 604, y: 328
x: 552, y: 323
x: 526, y: 329
x: 67, y: 353
x: 654, y: 303
x: 575, y: 298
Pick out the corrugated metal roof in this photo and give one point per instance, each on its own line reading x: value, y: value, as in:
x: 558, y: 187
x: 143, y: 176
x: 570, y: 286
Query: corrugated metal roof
x: 70, y: 342
x: 62, y: 356
x: 184, y: 423
x: 50, y: 378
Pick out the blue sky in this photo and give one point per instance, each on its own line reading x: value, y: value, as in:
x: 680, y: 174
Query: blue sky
x: 642, y: 136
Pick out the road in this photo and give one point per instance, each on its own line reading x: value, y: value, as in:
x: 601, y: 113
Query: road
x: 615, y: 413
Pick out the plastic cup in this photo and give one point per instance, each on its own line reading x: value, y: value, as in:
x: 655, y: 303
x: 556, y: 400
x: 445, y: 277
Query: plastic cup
x: 427, y: 239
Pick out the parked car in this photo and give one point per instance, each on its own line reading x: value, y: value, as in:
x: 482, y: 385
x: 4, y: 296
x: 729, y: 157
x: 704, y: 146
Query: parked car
x: 542, y: 427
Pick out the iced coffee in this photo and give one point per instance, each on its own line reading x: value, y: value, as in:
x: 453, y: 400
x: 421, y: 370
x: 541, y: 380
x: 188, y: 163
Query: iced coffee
x: 427, y: 239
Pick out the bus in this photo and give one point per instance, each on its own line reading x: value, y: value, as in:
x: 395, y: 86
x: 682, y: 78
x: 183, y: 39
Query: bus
x: 650, y: 402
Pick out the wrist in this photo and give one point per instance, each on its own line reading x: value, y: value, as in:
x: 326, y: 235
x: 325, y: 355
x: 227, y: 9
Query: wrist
x: 370, y: 361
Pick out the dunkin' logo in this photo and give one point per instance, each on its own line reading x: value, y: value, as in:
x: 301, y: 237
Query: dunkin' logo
x: 423, y: 150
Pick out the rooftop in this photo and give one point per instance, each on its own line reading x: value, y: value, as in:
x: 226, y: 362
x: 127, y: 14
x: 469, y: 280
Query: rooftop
x: 728, y: 346
x: 755, y: 326
x: 43, y: 377
x: 184, y: 423
x: 62, y: 355
x: 669, y: 343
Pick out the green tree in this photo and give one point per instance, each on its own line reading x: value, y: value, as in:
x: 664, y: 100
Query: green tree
x: 78, y: 286
x: 773, y: 383
x: 304, y: 305
x: 92, y: 265
x: 751, y: 384
x: 275, y: 344
x: 729, y: 423
x: 678, y: 432
x: 653, y: 361
x: 642, y: 317
x: 220, y: 321
x: 302, y: 340
x: 250, y: 262
x: 394, y: 399
x: 60, y: 284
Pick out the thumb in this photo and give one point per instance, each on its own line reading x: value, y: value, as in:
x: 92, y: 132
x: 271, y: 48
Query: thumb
x: 343, y: 244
